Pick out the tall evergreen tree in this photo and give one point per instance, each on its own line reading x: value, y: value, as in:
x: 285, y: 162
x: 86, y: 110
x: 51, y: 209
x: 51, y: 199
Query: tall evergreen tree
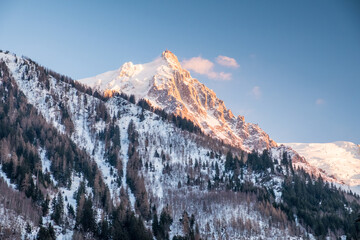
x: 87, y: 219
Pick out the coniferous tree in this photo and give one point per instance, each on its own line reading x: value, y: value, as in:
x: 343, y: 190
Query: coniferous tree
x: 229, y: 162
x: 155, y: 225
x: 87, y: 219
x: 165, y: 223
x: 28, y: 228
x: 58, y: 209
x: 104, y: 230
x: 46, y: 233
x: 45, y: 206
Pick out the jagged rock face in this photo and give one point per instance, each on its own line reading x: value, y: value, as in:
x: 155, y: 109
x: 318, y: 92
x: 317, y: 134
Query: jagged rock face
x: 166, y: 85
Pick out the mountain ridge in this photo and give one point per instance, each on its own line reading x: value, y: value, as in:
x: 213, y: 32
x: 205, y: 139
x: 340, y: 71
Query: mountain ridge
x: 329, y: 156
x: 166, y: 85
x: 100, y: 168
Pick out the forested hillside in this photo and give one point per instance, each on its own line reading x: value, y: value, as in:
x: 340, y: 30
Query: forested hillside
x: 78, y: 165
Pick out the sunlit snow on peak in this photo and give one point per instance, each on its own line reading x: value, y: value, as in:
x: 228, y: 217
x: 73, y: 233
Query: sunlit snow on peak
x: 166, y: 85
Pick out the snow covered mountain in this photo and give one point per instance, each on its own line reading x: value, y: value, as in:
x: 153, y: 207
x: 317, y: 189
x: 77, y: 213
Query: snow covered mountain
x: 166, y: 85
x: 76, y: 165
x: 135, y: 159
x: 339, y: 159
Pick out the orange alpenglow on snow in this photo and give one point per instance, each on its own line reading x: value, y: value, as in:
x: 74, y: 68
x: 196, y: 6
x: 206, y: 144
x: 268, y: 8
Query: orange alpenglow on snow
x: 166, y: 85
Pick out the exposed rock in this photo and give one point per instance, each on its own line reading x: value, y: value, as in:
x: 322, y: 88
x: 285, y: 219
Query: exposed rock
x: 166, y: 85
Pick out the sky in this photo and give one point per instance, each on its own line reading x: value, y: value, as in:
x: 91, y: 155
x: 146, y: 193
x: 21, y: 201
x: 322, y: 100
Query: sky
x: 293, y: 67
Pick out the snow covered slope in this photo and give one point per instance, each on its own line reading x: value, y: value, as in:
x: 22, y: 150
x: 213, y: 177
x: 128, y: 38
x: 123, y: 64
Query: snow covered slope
x: 166, y: 85
x: 340, y: 159
x: 144, y: 163
x: 174, y: 165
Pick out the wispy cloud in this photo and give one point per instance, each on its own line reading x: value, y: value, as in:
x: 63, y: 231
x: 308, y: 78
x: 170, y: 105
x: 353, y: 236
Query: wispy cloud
x: 256, y: 92
x: 320, y: 101
x: 205, y: 67
x: 227, y: 61
x: 252, y: 56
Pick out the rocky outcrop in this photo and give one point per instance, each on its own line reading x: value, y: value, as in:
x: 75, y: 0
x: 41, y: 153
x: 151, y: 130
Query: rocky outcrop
x: 166, y: 85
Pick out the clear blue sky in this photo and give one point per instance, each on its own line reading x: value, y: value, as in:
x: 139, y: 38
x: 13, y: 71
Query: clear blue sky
x: 299, y: 74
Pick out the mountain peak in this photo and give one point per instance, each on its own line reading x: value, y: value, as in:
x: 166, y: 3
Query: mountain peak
x: 166, y: 85
x: 99, y: 139
x: 171, y: 58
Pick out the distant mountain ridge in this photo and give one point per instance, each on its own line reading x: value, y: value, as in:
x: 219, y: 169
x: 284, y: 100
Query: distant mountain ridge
x: 166, y: 85
x: 340, y: 159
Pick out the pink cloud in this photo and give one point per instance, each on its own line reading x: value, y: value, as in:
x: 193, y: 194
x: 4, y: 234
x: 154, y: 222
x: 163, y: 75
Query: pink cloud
x: 227, y: 61
x: 205, y: 67
x: 225, y: 76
